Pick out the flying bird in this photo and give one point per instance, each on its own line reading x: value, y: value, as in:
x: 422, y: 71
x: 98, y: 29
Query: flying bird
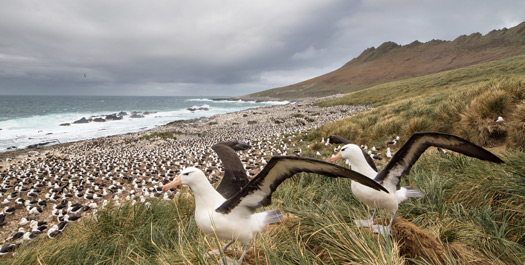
x: 400, y: 165
x: 235, y: 218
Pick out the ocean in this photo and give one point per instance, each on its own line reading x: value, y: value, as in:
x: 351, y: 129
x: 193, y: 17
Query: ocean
x: 35, y: 120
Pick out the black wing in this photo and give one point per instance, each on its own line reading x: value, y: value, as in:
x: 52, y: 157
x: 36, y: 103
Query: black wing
x: 259, y: 190
x: 234, y: 174
x: 335, y: 139
x: 340, y: 140
x: 404, y: 158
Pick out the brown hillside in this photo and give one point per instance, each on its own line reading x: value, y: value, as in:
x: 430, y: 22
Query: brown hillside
x: 391, y: 61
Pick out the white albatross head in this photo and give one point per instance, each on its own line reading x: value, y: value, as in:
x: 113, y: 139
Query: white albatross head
x: 188, y: 176
x: 351, y: 152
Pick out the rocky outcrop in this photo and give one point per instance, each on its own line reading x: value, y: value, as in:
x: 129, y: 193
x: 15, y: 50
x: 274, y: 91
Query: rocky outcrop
x: 136, y: 115
x: 277, y: 120
x: 114, y: 117
x: 83, y: 120
x: 197, y: 108
x: 300, y: 121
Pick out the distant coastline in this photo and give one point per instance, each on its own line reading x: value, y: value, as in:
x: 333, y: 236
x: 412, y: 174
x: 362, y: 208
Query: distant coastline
x: 35, y: 121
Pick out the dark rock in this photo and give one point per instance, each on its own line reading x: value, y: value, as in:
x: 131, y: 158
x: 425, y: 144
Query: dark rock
x: 300, y: 121
x: 38, y: 145
x: 122, y: 113
x: 309, y: 119
x: 197, y: 108
x: 113, y: 117
x: 83, y: 120
x: 65, y: 124
x: 252, y: 122
x: 136, y: 115
x: 11, y: 147
x: 277, y: 121
x: 99, y: 120
x: 149, y: 112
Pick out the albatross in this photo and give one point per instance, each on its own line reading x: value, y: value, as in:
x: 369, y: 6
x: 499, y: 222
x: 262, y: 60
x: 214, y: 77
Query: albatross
x: 235, y: 218
x: 399, y: 166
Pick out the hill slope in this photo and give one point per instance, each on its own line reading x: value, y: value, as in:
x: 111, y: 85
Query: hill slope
x: 391, y: 61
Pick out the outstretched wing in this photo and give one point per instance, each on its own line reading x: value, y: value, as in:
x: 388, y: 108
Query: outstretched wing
x: 404, y: 158
x: 336, y: 139
x: 259, y: 190
x: 234, y: 178
x: 341, y: 140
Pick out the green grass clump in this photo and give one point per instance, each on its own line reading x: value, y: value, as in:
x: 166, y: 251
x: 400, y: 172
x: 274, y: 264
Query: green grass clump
x: 516, y: 133
x: 125, y: 235
x: 163, y: 135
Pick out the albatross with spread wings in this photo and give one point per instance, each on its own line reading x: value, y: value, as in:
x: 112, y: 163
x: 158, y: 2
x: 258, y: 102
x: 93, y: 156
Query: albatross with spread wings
x: 399, y: 166
x: 235, y: 218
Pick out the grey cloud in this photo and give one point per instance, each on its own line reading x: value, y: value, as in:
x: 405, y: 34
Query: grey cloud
x: 198, y: 47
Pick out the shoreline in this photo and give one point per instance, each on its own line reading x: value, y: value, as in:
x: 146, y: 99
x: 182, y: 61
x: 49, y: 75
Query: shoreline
x: 12, y: 154
x: 94, y: 118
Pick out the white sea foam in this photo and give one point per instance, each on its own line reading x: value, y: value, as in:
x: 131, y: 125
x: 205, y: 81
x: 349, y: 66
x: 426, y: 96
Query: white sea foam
x: 240, y: 101
x: 22, y: 132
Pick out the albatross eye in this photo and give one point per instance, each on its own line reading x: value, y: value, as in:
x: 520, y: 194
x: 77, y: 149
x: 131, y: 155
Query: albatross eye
x: 185, y: 174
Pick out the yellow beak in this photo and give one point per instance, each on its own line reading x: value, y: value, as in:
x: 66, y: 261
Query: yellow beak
x: 176, y: 182
x: 335, y: 157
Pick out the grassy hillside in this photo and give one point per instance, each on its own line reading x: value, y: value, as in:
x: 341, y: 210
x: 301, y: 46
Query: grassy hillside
x: 465, y: 102
x: 473, y: 212
x: 391, y: 61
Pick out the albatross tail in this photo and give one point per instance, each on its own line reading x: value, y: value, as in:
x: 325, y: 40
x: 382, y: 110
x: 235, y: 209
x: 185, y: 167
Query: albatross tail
x: 271, y: 217
x: 408, y: 192
x: 411, y: 192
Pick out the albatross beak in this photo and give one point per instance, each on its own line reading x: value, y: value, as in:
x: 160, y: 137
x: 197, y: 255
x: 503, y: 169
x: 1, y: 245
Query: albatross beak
x: 176, y: 182
x: 335, y: 157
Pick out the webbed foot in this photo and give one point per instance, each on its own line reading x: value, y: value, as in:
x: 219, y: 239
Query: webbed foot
x: 381, y: 229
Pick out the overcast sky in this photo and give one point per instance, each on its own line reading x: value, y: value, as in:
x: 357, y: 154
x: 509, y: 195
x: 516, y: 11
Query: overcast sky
x: 213, y: 47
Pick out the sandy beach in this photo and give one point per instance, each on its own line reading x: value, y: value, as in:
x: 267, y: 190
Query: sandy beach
x: 87, y: 175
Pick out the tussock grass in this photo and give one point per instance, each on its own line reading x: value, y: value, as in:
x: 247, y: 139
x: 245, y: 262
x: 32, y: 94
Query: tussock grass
x: 163, y: 135
x: 467, y: 109
x: 516, y: 132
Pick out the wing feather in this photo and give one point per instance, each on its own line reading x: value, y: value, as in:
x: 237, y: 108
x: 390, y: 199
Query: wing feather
x: 407, y: 155
x: 259, y: 190
x: 336, y: 139
x: 234, y: 178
